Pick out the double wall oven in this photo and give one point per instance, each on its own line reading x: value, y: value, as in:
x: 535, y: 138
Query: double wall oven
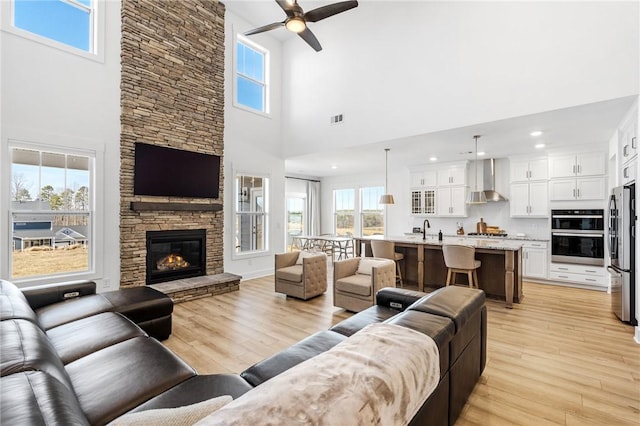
x: 577, y: 236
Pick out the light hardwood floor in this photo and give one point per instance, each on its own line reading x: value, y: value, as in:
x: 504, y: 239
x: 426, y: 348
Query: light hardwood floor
x: 558, y: 358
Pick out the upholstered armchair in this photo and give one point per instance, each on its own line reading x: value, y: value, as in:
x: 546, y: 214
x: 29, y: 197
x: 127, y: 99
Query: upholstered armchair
x: 301, y: 274
x: 357, y: 280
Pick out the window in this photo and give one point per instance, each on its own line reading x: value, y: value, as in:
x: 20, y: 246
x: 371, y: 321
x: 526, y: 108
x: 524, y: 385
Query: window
x: 295, y: 218
x: 251, y: 222
x: 70, y: 22
x: 251, y: 75
x: 51, y: 212
x: 344, y: 211
x: 371, y: 212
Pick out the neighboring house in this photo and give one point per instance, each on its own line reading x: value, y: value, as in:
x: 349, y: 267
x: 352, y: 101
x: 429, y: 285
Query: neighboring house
x: 40, y: 232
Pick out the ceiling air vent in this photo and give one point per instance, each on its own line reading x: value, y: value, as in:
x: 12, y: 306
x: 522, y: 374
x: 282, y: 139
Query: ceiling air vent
x: 336, y: 119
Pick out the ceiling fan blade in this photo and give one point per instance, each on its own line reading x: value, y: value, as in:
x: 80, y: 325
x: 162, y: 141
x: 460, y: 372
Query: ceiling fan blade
x: 308, y: 36
x: 264, y: 28
x: 287, y: 6
x: 316, y: 15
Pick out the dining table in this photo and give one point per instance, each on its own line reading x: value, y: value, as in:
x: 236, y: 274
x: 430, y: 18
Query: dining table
x: 340, y: 245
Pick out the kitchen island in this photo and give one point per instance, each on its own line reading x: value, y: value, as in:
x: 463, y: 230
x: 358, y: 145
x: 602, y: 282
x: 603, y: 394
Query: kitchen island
x: 500, y: 275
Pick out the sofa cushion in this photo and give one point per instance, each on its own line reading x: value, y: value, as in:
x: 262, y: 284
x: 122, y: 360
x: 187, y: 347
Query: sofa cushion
x: 73, y: 309
x: 76, y: 339
x: 290, y: 273
x: 366, y: 265
x: 25, y: 347
x: 360, y: 320
x: 116, y: 379
x: 36, y: 398
x: 294, y: 355
x: 355, y: 284
x: 180, y: 416
x: 454, y: 302
x: 305, y: 254
x: 196, y: 389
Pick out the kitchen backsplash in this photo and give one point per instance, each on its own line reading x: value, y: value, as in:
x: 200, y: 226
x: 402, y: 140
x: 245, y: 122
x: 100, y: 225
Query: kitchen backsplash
x: 496, y: 214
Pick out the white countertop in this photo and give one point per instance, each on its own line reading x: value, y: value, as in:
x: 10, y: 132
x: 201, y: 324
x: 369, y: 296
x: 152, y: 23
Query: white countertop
x: 477, y: 242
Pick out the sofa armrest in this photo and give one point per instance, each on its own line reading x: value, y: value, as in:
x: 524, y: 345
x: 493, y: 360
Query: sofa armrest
x: 44, y: 295
x: 286, y: 259
x: 398, y: 298
x: 345, y: 268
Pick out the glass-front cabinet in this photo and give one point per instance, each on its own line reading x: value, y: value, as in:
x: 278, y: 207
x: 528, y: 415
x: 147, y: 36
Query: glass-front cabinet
x: 423, y: 201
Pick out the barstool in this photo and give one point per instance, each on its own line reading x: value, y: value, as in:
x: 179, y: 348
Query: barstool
x: 461, y: 259
x: 387, y: 250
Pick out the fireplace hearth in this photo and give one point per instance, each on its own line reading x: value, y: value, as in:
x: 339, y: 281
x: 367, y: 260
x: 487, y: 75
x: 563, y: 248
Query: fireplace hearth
x: 175, y: 254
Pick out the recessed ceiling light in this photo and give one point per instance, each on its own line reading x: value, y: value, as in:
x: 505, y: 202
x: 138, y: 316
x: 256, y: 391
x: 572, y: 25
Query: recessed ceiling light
x: 481, y: 153
x: 433, y: 158
x: 334, y: 166
x: 536, y: 133
x: 539, y: 145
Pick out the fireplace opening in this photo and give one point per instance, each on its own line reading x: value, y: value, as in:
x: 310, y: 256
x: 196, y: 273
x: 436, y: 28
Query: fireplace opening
x: 172, y: 255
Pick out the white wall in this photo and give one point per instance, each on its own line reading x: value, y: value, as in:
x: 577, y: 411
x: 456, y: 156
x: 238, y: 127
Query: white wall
x: 50, y: 96
x: 408, y: 68
x: 252, y: 145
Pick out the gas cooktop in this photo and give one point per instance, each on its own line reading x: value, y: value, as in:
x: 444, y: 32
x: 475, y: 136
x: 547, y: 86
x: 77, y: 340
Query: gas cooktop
x: 486, y: 234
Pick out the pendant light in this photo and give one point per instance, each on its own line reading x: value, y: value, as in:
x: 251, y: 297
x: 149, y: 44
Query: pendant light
x: 475, y: 196
x: 386, y: 198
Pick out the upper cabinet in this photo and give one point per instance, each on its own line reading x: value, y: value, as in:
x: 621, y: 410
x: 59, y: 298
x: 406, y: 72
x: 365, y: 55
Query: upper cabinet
x: 577, y: 177
x: 524, y: 169
x: 628, y: 138
x: 575, y: 165
x: 439, y: 190
x: 423, y: 178
x: 455, y: 174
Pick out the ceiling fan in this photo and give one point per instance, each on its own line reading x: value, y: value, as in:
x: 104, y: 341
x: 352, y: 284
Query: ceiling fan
x: 297, y: 19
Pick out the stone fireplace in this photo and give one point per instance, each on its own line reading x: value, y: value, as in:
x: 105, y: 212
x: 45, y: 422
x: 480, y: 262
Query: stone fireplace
x: 172, y: 95
x: 175, y: 254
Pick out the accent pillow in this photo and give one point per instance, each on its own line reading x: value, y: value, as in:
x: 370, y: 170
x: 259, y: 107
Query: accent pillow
x: 366, y: 266
x: 304, y: 254
x: 186, y: 415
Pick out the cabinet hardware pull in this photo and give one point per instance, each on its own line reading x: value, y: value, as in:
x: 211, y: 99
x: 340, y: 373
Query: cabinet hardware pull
x: 579, y: 168
x: 563, y: 276
x: 633, y: 142
x: 625, y: 150
x: 564, y: 269
x: 626, y: 172
x: 590, y: 279
x: 590, y: 271
x: 573, y: 169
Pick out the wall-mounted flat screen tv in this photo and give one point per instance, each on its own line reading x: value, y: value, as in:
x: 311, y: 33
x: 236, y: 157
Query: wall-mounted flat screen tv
x: 173, y: 172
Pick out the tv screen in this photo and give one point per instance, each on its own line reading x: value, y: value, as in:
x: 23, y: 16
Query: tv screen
x: 173, y: 172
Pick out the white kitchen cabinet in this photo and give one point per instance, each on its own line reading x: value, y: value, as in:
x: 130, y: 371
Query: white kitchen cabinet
x: 535, y: 259
x: 524, y: 169
x: 423, y: 202
x: 451, y: 201
x: 452, y: 175
x: 629, y: 172
x: 592, y: 188
x: 584, y: 275
x: 571, y: 165
x: 423, y: 178
x: 628, y: 135
x: 529, y: 199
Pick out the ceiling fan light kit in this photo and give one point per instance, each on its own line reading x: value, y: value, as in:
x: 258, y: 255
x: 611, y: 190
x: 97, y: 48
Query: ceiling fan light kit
x: 297, y: 19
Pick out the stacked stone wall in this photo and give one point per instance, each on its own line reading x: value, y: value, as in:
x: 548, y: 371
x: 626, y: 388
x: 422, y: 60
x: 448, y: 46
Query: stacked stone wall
x: 172, y: 95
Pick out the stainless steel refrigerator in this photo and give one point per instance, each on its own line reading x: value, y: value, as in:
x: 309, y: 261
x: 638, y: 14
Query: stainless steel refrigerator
x: 622, y: 222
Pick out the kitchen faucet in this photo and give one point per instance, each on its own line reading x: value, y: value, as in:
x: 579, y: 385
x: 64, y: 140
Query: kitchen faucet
x: 425, y: 225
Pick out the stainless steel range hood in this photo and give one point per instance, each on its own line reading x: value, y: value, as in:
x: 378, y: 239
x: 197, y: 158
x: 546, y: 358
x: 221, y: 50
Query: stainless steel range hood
x: 489, y: 180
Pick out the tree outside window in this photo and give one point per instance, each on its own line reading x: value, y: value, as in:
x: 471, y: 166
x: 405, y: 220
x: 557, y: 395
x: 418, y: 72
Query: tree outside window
x: 344, y: 211
x: 371, y: 212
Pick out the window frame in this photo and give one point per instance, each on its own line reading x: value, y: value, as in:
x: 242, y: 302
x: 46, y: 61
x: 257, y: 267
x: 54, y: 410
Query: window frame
x: 239, y: 38
x: 266, y: 178
x: 94, y: 267
x: 362, y: 212
x: 96, y: 31
x: 355, y: 209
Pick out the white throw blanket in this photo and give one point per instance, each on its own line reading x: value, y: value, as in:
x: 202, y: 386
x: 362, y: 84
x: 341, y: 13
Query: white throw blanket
x: 379, y: 376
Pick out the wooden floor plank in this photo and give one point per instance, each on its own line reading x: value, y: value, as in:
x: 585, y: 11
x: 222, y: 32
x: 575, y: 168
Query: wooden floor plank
x: 559, y: 358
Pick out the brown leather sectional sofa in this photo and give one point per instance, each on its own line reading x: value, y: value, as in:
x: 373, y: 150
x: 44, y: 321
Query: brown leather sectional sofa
x: 89, y: 360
